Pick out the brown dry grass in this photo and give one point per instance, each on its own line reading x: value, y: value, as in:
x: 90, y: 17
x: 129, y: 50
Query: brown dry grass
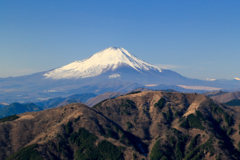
x: 148, y: 121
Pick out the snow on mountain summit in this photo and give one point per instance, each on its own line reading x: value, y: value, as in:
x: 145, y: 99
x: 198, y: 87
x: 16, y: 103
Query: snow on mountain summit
x: 101, y: 62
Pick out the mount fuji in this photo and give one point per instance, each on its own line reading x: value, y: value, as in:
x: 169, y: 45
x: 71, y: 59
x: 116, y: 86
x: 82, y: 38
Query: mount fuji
x: 110, y: 59
x: 115, y: 63
x: 112, y: 69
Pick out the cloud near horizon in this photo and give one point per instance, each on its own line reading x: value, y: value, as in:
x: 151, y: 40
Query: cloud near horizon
x: 169, y: 66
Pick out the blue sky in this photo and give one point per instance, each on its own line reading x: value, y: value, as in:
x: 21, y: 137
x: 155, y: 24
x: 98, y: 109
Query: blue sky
x: 198, y: 39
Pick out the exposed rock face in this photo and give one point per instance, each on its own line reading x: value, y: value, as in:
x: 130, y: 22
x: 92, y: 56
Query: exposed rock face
x: 142, y: 125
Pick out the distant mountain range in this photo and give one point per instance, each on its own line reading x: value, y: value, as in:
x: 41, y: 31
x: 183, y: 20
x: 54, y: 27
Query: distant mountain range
x: 111, y: 70
x: 60, y: 101
x: 17, y: 108
x: 90, y: 99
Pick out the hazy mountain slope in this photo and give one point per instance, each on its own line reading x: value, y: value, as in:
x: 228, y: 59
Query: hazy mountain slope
x: 17, y: 108
x: 82, y: 97
x: 227, y: 97
x: 60, y: 101
x: 50, y: 102
x: 149, y: 125
x: 92, y: 101
x: 214, y: 93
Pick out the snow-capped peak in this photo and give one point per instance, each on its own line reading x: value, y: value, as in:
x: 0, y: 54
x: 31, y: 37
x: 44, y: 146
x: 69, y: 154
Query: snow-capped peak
x: 105, y: 60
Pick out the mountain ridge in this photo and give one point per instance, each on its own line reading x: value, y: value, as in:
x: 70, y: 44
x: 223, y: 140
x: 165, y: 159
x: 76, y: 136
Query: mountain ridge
x: 143, y: 125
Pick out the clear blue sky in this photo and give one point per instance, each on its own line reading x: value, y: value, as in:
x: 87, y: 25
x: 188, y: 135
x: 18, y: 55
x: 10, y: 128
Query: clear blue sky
x: 198, y: 39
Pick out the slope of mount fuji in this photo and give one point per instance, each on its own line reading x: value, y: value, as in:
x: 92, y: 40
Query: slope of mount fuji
x: 109, y: 59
